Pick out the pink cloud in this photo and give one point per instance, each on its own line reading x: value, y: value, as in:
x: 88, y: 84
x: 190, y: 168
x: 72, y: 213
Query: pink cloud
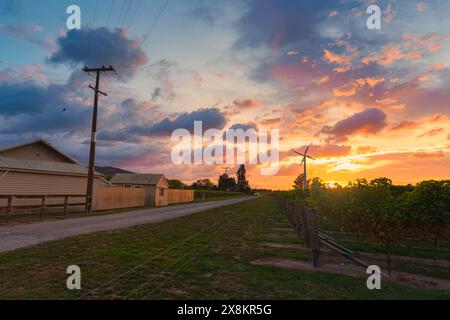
x: 367, y: 122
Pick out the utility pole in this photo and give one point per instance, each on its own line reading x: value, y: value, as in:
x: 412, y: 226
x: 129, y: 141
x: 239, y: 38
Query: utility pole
x: 90, y: 182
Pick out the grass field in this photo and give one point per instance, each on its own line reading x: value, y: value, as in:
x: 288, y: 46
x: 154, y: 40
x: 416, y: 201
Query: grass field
x: 207, y: 255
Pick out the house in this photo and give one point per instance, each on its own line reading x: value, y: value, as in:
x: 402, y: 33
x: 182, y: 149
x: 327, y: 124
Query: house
x: 38, y: 168
x: 156, y: 186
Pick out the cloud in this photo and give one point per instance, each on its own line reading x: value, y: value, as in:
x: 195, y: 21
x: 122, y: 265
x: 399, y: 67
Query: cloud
x: 247, y: 103
x: 345, y: 91
x: 431, y: 133
x: 111, y: 48
x: 421, y: 6
x: 272, y: 122
x: 365, y: 149
x: 406, y: 125
x: 328, y: 150
x: 319, y: 151
x: 369, y: 121
x: 211, y: 118
x: 429, y: 155
x: 245, y: 127
x: 322, y: 80
x: 277, y: 23
x: 27, y: 31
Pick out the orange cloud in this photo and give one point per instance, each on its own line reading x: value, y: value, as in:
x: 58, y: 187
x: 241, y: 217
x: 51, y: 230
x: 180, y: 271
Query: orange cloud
x: 434, y: 47
x: 345, y: 91
x: 322, y: 80
x: 247, y: 103
x: 431, y: 133
x: 271, y: 122
x: 391, y: 53
x: 365, y: 149
x: 429, y: 155
x: 371, y: 81
x: 439, y: 66
x: 334, y: 58
x: 387, y: 101
x: 406, y: 125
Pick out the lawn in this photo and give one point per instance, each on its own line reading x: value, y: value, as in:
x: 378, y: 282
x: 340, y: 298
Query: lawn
x: 202, y: 256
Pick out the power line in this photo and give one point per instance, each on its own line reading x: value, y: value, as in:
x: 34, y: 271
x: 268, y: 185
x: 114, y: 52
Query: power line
x: 203, y: 230
x: 189, y: 261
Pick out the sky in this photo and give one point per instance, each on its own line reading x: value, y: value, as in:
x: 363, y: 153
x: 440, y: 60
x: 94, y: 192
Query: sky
x: 372, y: 103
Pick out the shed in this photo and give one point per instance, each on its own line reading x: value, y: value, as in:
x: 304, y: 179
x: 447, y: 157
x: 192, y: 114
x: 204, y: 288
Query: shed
x: 156, y: 186
x: 38, y: 168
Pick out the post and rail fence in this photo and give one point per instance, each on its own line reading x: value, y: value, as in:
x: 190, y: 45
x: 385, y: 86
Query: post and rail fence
x: 304, y: 221
x: 17, y: 204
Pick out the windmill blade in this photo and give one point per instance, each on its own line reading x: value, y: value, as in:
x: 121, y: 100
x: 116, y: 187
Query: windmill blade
x: 309, y: 157
x: 300, y: 154
x: 306, y: 151
x: 302, y: 161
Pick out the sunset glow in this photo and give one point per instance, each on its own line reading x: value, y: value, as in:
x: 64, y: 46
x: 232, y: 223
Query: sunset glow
x: 372, y: 102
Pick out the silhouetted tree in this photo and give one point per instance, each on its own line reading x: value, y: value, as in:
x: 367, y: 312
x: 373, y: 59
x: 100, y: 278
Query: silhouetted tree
x: 226, y: 183
x: 204, y: 184
x: 176, y: 184
x: 242, y: 183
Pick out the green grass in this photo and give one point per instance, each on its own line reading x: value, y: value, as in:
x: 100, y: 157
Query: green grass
x: 213, y: 262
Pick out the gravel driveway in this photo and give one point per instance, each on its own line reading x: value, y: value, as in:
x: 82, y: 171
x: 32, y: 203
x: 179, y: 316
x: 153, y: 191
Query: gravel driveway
x: 23, y: 235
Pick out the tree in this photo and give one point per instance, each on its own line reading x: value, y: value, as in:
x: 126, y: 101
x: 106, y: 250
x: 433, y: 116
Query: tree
x: 226, y: 183
x: 176, y: 184
x: 204, y: 184
x: 242, y: 183
x: 299, y: 182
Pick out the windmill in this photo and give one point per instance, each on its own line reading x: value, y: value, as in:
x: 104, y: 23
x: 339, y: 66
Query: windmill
x: 305, y: 156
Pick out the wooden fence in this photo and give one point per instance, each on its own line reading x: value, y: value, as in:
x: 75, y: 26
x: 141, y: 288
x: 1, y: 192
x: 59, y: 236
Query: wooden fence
x: 304, y: 221
x: 109, y: 198
x: 305, y: 224
x: 12, y: 204
x: 105, y: 198
x: 175, y: 196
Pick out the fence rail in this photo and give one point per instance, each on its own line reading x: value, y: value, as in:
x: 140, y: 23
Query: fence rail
x: 304, y: 221
x: 45, y: 203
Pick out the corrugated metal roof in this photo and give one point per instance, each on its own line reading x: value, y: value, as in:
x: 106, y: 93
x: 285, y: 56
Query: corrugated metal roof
x: 137, y: 179
x: 46, y: 143
x: 43, y: 166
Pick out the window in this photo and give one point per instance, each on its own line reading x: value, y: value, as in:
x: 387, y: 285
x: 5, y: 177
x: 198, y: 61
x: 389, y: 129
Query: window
x: 161, y: 192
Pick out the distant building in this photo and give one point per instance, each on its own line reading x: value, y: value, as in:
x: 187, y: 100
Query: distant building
x: 156, y: 185
x: 38, y: 168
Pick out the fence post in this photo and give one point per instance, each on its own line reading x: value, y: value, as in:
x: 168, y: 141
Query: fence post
x: 305, y: 224
x: 314, y: 236
x: 66, y: 203
x: 43, y: 206
x: 298, y: 222
x: 9, y: 208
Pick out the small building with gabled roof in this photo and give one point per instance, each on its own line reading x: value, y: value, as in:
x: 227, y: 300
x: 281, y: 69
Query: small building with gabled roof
x: 156, y: 186
x: 38, y: 168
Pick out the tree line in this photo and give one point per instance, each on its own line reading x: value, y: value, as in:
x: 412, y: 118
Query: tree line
x: 225, y: 183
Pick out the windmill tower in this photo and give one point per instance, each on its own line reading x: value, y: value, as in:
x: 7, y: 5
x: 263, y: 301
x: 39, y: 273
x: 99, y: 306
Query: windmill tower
x: 305, y: 156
